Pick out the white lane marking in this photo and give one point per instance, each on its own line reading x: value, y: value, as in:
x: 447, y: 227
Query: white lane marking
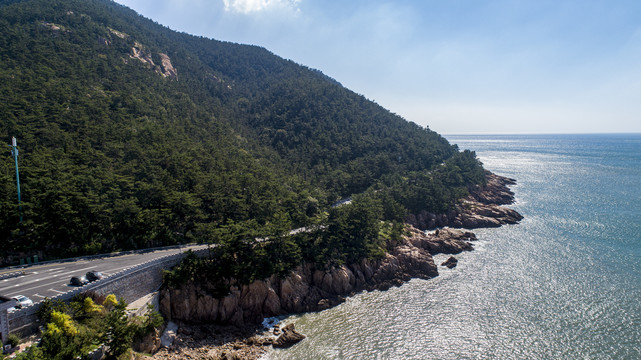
x: 39, y: 295
x: 34, y: 287
x: 81, y: 271
x: 59, y: 292
x: 53, y: 276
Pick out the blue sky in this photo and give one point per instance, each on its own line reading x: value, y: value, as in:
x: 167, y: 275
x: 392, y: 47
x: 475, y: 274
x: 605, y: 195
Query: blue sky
x: 457, y: 66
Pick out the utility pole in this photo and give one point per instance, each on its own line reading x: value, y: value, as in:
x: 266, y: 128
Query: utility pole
x: 14, y: 152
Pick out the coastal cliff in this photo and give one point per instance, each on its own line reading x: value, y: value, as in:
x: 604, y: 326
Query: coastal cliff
x: 311, y: 288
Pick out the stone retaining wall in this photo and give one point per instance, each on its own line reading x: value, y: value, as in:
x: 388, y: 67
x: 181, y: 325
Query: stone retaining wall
x: 130, y: 284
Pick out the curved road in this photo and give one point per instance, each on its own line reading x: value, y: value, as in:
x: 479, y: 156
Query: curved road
x: 51, y: 279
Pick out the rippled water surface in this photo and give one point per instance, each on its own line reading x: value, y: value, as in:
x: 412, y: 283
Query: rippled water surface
x: 565, y: 283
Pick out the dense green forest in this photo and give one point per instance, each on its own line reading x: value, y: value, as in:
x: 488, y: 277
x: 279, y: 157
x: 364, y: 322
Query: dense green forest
x: 132, y: 135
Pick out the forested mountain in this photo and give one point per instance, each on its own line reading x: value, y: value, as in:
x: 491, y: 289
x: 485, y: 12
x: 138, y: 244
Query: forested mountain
x: 132, y: 135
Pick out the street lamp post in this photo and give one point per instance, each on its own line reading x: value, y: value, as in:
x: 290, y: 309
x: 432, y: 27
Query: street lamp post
x: 14, y: 152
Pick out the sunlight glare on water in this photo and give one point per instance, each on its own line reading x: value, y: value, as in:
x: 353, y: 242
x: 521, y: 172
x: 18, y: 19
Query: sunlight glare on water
x: 565, y: 283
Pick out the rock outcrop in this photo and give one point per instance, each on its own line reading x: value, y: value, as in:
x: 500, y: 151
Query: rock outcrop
x: 168, y: 69
x: 309, y: 288
x: 288, y: 338
x: 165, y: 68
x: 139, y: 52
x: 208, y: 341
x: 450, y: 263
x: 496, y: 191
x: 169, y: 335
x: 442, y: 241
x: 481, y: 209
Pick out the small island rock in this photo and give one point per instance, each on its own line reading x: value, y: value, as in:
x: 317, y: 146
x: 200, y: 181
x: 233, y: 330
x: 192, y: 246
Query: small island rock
x: 288, y: 338
x: 450, y: 263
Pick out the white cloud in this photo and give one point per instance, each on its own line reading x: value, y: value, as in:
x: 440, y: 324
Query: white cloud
x: 251, y: 6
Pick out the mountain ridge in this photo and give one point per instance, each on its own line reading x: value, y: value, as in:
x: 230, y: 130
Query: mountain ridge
x: 133, y: 135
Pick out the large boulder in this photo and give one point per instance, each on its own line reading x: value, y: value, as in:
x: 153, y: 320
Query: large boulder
x: 288, y: 337
x: 450, y: 263
x: 169, y: 335
x: 252, y: 300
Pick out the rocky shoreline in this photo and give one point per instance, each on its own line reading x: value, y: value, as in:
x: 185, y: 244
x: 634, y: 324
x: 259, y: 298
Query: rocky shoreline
x: 481, y: 209
x: 214, y: 342
x: 309, y: 288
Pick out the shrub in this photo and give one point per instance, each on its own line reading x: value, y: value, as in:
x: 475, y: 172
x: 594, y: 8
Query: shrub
x: 110, y: 301
x: 119, y: 332
x: 48, y: 306
x: 14, y: 340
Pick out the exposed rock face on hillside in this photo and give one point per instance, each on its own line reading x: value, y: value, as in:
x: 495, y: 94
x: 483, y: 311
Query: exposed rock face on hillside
x: 165, y: 69
x: 482, y: 208
x: 168, y: 70
x: 138, y: 52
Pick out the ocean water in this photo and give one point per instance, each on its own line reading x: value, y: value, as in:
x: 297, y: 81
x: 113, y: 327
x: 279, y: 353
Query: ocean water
x: 565, y: 283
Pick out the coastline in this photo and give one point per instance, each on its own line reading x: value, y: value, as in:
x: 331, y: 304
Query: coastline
x: 309, y: 289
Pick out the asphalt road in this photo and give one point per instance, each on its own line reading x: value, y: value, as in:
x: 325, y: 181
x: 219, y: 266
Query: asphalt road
x: 51, y: 279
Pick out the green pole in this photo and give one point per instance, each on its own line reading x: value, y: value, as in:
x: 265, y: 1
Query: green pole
x: 14, y: 152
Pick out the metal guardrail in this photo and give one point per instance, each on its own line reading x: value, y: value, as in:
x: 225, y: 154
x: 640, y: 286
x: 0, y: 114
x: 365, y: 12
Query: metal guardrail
x: 12, y: 275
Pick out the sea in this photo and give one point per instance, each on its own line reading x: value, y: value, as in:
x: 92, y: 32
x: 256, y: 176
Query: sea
x: 565, y: 283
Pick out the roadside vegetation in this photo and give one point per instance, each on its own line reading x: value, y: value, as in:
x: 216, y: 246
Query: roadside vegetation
x: 72, y: 330
x: 345, y: 234
x: 366, y: 227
